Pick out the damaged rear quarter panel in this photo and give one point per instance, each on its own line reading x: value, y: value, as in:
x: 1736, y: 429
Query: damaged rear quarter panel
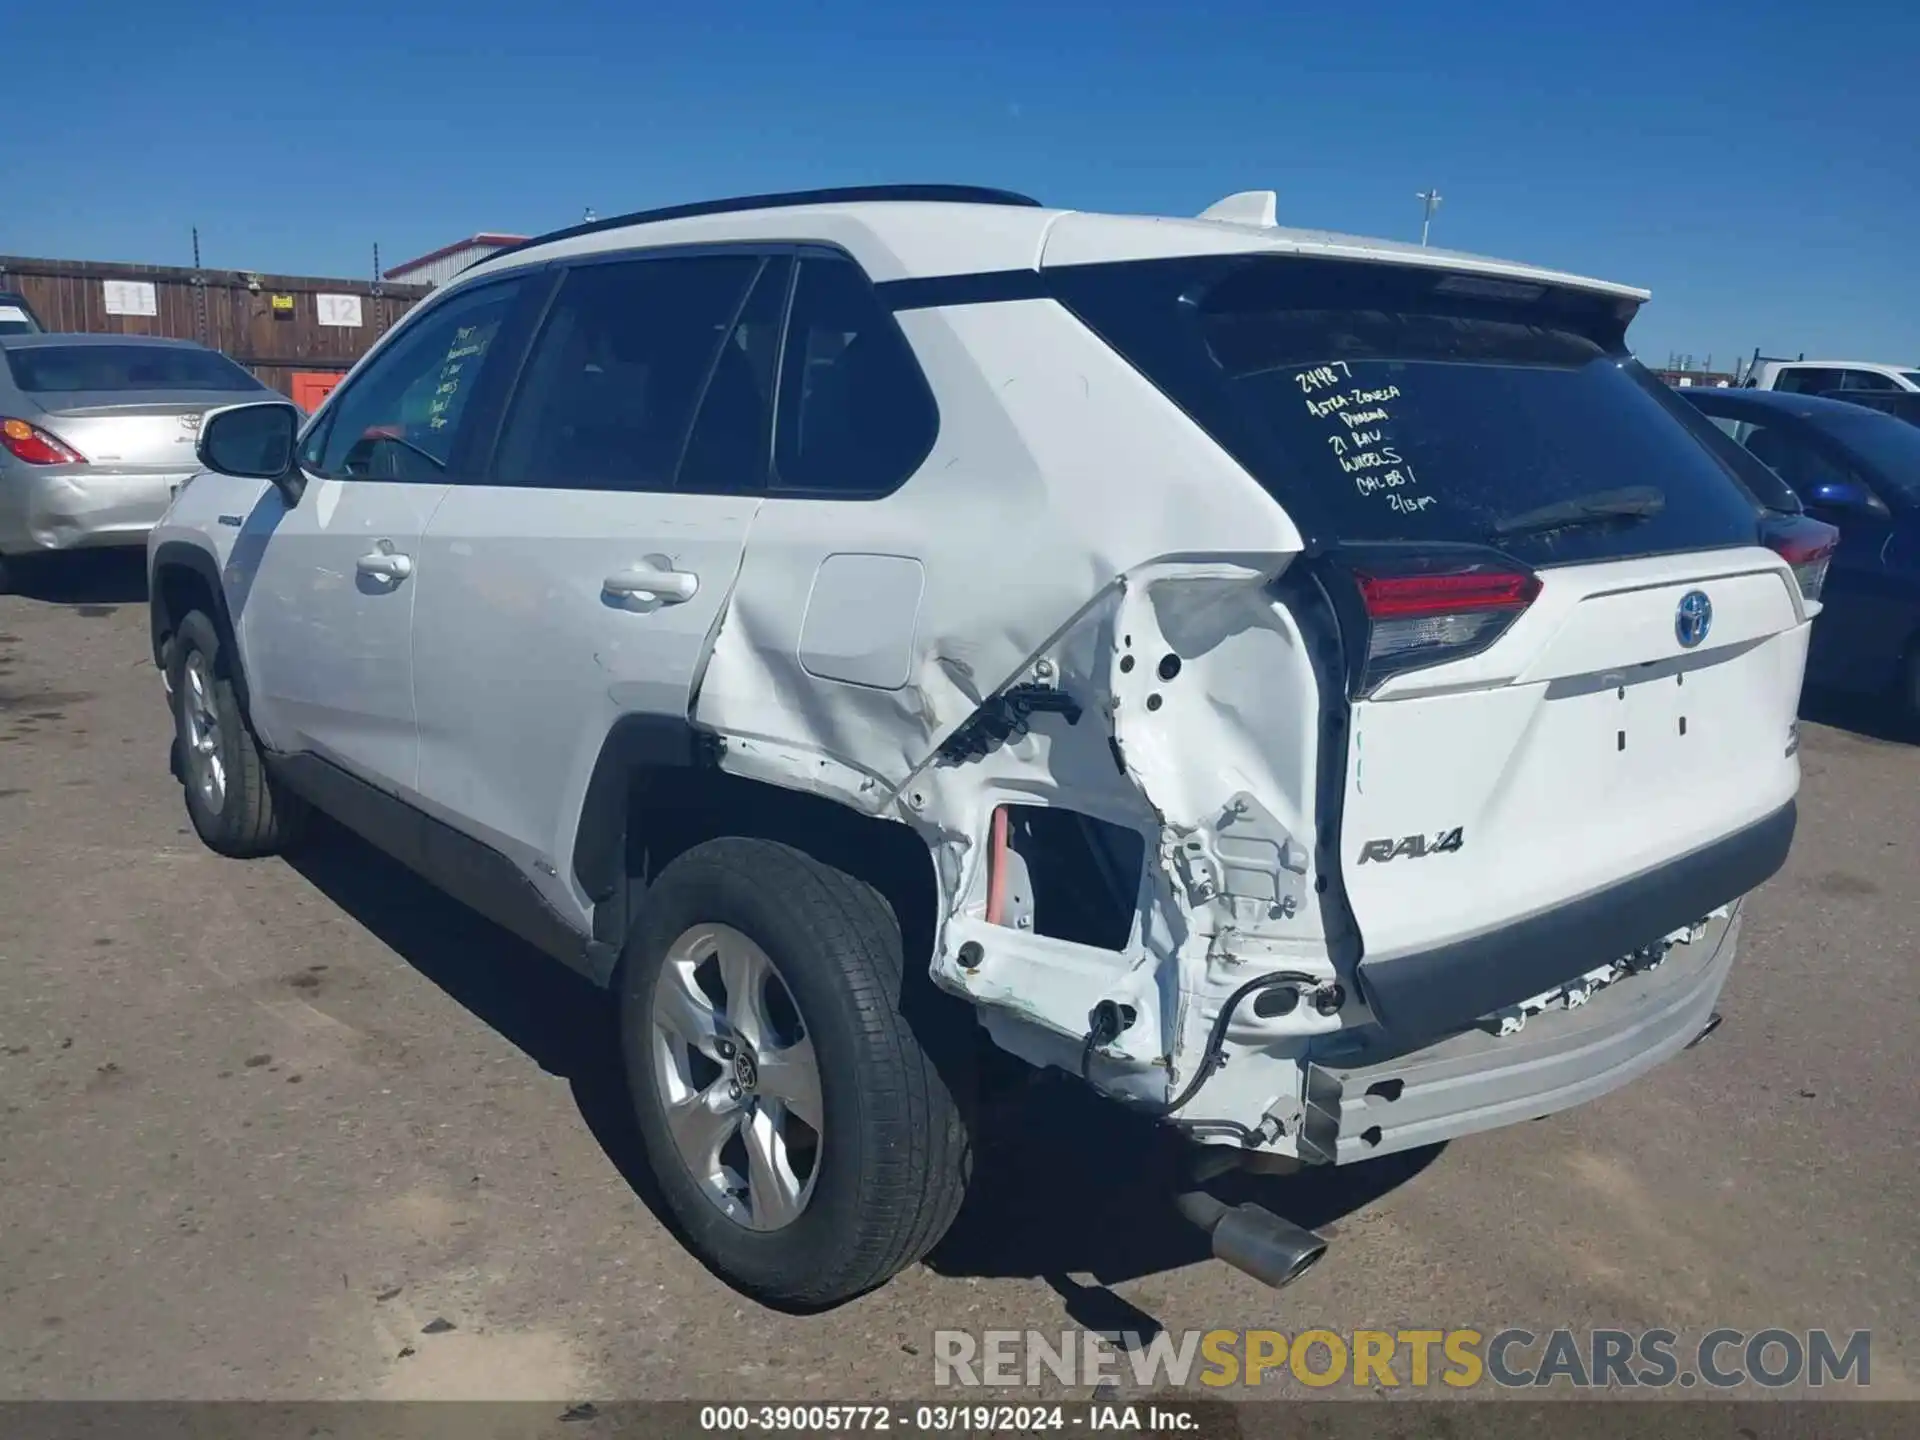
x: 1072, y: 528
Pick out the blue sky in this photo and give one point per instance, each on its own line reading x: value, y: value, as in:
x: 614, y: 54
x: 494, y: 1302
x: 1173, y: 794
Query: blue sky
x: 1756, y: 165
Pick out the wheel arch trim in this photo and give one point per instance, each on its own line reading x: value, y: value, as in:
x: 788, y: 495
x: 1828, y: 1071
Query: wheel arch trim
x: 183, y: 555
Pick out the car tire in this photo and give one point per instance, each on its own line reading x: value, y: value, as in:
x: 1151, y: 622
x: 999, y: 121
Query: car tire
x: 237, y: 807
x: 890, y: 1156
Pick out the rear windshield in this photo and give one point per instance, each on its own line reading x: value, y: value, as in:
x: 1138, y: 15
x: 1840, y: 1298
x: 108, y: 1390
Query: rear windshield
x: 45, y: 369
x: 1384, y: 404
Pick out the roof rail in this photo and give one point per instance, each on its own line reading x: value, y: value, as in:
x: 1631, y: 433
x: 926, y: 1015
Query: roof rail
x: 842, y: 195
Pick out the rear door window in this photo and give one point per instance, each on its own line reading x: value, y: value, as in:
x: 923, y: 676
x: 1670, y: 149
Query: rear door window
x: 611, y: 384
x: 1384, y: 404
x: 731, y: 443
x: 1806, y: 379
x: 856, y: 414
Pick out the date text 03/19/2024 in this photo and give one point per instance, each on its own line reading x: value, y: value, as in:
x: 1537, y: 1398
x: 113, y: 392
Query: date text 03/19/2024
x: 944, y: 1419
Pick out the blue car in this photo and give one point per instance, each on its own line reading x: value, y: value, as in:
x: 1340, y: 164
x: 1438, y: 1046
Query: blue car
x: 1857, y: 469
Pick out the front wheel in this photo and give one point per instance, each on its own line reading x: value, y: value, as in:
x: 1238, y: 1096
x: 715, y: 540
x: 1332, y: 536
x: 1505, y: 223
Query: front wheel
x: 237, y: 808
x: 806, y: 1144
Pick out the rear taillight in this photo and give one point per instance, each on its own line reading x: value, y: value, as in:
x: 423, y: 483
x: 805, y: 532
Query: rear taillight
x: 1806, y: 545
x: 1428, y: 615
x: 35, y: 446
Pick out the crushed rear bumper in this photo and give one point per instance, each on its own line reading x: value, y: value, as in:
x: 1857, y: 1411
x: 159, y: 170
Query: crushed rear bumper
x: 1478, y: 1080
x: 1430, y: 993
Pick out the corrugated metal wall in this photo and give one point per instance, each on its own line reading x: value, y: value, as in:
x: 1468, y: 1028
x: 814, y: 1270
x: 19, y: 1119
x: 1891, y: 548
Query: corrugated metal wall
x: 439, y: 271
x: 230, y: 310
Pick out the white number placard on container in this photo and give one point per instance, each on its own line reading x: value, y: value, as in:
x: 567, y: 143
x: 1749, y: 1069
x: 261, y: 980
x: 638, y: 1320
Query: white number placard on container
x: 130, y: 297
x: 341, y: 310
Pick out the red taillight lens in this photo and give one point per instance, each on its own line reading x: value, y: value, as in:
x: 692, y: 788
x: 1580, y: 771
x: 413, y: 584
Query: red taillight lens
x: 35, y: 446
x: 1806, y: 545
x: 1423, y: 618
x: 1399, y: 596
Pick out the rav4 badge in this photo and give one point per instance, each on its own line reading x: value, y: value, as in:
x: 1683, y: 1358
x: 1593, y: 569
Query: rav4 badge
x: 1414, y: 847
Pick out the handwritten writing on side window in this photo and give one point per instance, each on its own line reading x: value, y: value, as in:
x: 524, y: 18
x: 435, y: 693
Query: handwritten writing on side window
x: 467, y: 343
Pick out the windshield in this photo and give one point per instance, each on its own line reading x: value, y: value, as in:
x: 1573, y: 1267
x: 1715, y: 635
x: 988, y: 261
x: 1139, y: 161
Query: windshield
x: 1889, y: 448
x: 45, y: 369
x: 1399, y: 404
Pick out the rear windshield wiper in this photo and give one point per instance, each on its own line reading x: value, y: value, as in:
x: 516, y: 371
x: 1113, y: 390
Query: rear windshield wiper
x: 1636, y: 502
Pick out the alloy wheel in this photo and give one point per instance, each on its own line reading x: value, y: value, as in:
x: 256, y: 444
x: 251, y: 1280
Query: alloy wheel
x: 200, y: 720
x: 737, y: 1076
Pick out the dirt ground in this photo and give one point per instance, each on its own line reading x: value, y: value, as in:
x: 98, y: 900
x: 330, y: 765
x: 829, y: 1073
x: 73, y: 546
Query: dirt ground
x: 307, y: 1129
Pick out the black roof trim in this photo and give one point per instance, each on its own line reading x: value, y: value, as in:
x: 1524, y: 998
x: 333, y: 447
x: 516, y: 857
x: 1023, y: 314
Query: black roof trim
x: 843, y: 195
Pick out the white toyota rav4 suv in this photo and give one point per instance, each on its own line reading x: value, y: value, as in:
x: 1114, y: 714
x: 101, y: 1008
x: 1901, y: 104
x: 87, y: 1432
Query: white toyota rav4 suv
x: 1319, y: 691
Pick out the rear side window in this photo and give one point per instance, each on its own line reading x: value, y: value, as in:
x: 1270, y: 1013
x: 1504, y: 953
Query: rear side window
x: 856, y: 415
x: 1384, y: 404
x: 610, y: 386
x: 64, y: 369
x: 1807, y: 379
x: 1866, y: 380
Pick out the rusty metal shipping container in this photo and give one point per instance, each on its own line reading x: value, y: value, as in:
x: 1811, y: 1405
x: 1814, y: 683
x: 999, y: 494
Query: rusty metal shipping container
x: 298, y: 333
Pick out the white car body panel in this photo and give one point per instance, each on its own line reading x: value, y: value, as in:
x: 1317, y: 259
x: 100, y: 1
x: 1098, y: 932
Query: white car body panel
x: 329, y: 649
x: 513, y: 709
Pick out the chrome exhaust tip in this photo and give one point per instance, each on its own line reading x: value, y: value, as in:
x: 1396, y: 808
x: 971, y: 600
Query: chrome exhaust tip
x: 1254, y: 1240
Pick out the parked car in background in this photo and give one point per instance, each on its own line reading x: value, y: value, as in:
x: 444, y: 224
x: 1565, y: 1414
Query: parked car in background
x: 97, y: 434
x: 1857, y: 469
x: 1901, y: 404
x: 16, y: 315
x: 1816, y: 377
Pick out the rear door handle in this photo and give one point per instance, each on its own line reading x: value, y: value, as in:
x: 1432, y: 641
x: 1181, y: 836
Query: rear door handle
x: 646, y: 582
x: 385, y: 564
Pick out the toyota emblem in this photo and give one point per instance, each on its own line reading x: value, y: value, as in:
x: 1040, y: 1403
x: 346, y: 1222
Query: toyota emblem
x: 1693, y: 618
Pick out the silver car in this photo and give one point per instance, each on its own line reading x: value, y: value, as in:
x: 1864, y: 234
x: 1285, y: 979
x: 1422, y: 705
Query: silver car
x: 97, y: 433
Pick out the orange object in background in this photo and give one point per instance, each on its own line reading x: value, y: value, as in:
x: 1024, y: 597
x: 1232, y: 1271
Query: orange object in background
x: 310, y: 387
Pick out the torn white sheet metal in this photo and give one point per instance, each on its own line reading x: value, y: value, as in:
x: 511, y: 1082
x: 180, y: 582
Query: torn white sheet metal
x: 1134, y: 579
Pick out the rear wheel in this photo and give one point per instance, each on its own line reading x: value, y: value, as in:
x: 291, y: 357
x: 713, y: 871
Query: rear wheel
x: 807, y: 1145
x: 237, y: 808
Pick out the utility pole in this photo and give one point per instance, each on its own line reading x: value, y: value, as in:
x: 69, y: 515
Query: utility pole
x: 1429, y: 202
x: 199, y: 292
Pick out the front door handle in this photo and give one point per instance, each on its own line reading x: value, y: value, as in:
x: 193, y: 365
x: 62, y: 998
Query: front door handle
x: 385, y: 564
x: 647, y: 582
